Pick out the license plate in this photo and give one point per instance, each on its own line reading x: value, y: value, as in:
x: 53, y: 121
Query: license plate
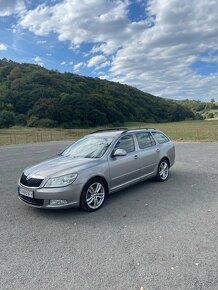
x: 25, y: 192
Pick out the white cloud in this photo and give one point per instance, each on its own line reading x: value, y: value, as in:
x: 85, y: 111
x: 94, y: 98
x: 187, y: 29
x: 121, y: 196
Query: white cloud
x: 96, y: 60
x: 100, y: 73
x: 38, y: 60
x: 41, y: 41
x: 91, y: 20
x: 210, y: 59
x: 38, y: 20
x: 79, y: 65
x: 159, y: 60
x: 9, y: 7
x: 154, y: 54
x: 3, y: 46
x: 63, y: 62
x: 103, y: 65
x: 104, y: 77
x: 107, y: 48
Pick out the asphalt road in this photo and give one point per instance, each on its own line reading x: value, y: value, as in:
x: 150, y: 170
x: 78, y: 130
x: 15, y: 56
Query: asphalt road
x: 152, y: 235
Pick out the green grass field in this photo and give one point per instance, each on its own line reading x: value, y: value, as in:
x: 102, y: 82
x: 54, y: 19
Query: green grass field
x: 199, y: 130
x: 204, y: 124
x: 177, y: 131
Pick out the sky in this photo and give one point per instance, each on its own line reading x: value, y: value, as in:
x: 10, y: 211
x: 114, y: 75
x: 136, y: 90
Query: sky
x: 168, y: 48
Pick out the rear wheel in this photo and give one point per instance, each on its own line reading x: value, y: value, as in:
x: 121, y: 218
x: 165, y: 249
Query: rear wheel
x: 93, y: 195
x: 163, y: 170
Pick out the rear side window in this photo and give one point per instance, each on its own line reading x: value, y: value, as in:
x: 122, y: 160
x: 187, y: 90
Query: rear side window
x: 160, y: 137
x: 126, y: 143
x: 145, y: 140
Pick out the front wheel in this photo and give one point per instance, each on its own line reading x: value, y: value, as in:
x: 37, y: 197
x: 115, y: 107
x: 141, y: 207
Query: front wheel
x: 93, y: 195
x: 163, y: 170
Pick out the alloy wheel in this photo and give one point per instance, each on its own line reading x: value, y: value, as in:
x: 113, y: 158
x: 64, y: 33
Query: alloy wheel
x: 95, y: 195
x: 163, y: 170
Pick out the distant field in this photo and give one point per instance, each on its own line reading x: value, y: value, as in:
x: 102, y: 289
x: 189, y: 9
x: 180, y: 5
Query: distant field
x: 178, y: 131
x: 21, y: 135
x: 184, y: 124
x: 201, y: 130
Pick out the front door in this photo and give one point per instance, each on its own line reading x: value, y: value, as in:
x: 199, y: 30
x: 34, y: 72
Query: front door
x: 124, y: 169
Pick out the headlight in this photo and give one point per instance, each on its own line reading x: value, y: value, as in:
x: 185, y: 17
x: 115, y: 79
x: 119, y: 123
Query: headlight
x: 61, y: 180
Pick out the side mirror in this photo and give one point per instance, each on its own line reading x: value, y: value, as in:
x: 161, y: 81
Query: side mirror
x: 119, y: 152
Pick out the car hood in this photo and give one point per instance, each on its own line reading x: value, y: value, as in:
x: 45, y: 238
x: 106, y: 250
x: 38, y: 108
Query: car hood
x: 59, y: 165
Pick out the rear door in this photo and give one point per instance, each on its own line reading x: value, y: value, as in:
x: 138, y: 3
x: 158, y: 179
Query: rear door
x: 124, y: 169
x: 149, y: 153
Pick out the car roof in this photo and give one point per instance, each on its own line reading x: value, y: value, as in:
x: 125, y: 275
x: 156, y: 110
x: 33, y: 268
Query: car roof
x: 141, y: 130
x: 119, y: 131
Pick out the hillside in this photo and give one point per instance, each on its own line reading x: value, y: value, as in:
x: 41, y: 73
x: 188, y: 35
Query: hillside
x: 34, y: 96
x: 206, y: 109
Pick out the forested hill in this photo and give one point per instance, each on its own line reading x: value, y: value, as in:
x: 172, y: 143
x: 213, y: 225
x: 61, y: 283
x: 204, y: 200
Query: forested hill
x: 34, y: 96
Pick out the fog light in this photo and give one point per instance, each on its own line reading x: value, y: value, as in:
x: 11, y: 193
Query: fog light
x: 57, y: 201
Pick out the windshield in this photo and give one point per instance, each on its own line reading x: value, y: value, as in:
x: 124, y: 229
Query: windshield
x: 89, y: 147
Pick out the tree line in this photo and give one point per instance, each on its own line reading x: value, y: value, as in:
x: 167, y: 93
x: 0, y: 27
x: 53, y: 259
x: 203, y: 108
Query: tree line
x: 33, y: 96
x: 201, y: 110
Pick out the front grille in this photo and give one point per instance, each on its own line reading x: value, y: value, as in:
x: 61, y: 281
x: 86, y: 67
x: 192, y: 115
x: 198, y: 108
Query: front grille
x: 33, y: 201
x: 31, y: 182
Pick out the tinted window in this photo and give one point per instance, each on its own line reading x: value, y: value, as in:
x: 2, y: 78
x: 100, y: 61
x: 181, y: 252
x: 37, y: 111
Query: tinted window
x: 145, y: 140
x: 161, y: 138
x: 126, y: 143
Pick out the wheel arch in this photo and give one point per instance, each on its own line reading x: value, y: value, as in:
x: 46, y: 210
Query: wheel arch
x: 167, y: 159
x: 102, y: 179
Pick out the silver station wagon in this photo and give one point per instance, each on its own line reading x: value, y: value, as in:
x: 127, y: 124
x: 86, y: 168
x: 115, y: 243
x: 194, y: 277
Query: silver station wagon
x: 96, y: 165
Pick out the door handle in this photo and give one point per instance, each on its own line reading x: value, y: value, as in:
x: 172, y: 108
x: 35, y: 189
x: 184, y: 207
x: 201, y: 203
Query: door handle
x: 158, y: 149
x: 136, y: 156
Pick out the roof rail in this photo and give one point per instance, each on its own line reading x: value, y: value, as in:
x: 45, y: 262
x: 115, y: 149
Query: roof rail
x: 143, y: 128
x: 133, y: 129
x: 121, y: 129
x: 110, y: 129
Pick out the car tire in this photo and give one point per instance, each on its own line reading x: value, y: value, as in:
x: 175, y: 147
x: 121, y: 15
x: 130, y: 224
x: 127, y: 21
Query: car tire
x: 163, y: 170
x: 93, y: 195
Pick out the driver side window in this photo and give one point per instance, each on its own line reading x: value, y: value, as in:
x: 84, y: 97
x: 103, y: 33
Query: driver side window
x: 126, y: 143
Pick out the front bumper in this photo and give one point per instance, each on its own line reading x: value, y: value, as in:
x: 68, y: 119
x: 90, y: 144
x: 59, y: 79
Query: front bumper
x: 42, y: 196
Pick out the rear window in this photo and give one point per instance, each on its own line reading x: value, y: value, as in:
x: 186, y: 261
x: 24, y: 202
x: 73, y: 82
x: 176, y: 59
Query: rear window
x: 160, y: 137
x: 145, y: 140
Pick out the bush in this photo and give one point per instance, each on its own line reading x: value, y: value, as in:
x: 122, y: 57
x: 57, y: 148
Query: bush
x: 72, y: 124
x: 7, y: 119
x: 47, y: 123
x: 33, y: 121
x: 20, y: 119
x: 117, y: 124
x: 198, y: 116
x: 210, y: 115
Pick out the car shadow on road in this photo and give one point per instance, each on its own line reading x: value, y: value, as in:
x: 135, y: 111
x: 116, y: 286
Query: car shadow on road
x: 112, y: 204
x: 148, y: 200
